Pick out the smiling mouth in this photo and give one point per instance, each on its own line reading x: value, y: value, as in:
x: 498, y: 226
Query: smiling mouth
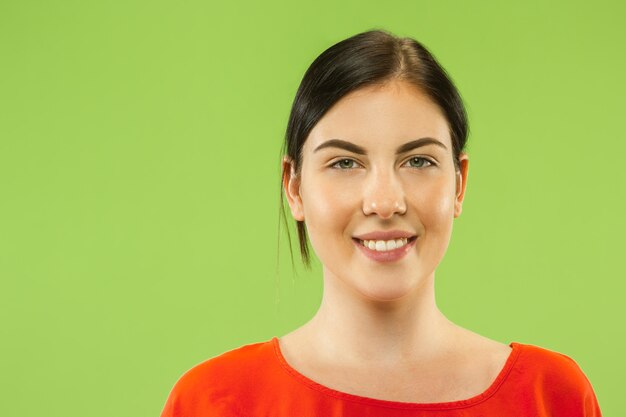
x: 385, y: 245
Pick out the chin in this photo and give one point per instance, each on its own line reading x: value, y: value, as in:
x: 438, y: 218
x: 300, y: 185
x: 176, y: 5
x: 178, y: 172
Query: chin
x: 387, y: 293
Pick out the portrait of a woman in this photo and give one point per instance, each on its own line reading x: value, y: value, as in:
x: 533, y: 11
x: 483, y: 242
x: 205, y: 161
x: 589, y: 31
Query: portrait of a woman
x: 375, y: 172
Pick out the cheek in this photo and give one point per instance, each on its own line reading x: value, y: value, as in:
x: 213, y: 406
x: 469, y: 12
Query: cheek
x: 435, y: 205
x: 327, y: 208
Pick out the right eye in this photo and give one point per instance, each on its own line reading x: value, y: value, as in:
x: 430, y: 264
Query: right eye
x: 344, y: 164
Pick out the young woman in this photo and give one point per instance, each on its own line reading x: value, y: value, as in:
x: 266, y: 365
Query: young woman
x: 374, y: 173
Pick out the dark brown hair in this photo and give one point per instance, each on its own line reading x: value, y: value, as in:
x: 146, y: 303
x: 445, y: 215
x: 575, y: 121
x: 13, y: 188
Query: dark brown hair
x: 368, y: 58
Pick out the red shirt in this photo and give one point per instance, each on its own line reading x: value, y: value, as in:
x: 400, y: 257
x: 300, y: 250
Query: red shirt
x: 256, y: 380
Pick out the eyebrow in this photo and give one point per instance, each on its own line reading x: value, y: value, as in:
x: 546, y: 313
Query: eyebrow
x: 351, y: 147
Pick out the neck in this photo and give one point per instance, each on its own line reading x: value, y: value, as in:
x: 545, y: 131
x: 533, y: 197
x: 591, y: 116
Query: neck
x: 353, y: 328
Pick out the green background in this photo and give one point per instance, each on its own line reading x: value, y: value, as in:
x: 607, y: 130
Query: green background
x: 139, y: 179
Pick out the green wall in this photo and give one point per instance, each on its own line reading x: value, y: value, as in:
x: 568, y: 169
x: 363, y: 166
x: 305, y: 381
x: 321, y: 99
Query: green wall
x: 139, y: 175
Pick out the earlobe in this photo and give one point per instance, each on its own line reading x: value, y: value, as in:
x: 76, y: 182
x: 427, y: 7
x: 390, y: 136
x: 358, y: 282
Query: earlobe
x: 461, y: 183
x: 291, y: 186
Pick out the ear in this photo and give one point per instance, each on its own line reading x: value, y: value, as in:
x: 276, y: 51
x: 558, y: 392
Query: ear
x: 291, y: 185
x: 461, y: 183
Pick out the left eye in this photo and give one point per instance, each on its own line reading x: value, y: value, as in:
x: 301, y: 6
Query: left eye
x: 419, y: 162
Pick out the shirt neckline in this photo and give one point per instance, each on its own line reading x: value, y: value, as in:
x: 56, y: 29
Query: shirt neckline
x: 479, y: 398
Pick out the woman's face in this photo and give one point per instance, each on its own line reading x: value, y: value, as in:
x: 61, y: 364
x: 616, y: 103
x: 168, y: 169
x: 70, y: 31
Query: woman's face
x: 378, y: 191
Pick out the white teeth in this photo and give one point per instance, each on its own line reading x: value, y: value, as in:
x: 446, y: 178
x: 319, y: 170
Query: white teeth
x: 384, y: 245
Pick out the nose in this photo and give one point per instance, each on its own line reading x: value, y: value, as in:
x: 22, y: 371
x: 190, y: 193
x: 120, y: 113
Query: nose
x: 383, y: 195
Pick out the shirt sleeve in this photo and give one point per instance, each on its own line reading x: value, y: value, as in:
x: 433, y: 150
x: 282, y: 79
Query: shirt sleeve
x: 575, y: 392
x: 199, y: 393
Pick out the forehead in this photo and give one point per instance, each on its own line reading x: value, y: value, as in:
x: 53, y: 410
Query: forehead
x: 382, y: 115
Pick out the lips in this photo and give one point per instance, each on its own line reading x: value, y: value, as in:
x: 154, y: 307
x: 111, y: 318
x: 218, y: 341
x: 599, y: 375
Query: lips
x: 385, y: 245
x: 385, y: 235
x: 382, y: 252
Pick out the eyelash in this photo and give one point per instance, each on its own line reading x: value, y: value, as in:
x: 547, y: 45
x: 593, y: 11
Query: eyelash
x: 335, y: 164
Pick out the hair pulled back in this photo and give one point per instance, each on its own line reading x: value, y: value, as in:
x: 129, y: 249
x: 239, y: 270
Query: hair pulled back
x: 365, y: 59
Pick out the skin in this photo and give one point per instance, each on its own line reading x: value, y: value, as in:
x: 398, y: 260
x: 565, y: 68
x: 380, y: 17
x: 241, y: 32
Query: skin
x: 378, y: 332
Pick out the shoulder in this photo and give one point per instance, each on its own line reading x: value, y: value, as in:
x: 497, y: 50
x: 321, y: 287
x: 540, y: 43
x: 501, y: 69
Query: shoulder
x: 550, y: 365
x: 227, y: 367
x: 213, y: 383
x: 556, y: 378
